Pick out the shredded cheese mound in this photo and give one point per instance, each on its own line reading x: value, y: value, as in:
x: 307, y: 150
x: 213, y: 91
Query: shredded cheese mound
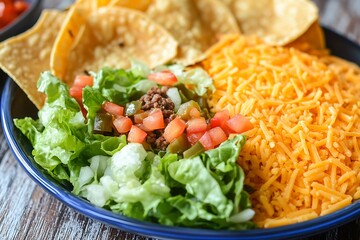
x: 302, y: 158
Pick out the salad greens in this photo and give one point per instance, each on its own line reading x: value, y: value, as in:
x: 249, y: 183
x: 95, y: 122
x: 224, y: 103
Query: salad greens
x: 205, y: 190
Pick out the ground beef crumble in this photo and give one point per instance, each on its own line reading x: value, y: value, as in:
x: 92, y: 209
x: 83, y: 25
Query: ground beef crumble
x: 156, y: 139
x: 156, y: 98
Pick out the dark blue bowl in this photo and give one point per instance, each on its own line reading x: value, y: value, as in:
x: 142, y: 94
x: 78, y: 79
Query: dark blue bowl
x: 24, y: 21
x: 12, y: 106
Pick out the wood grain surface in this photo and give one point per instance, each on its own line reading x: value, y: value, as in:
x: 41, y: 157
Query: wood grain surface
x: 28, y: 212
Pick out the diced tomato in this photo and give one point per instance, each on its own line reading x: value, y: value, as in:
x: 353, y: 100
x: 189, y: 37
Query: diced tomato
x: 206, y: 141
x: 21, y: 6
x: 195, y: 113
x: 217, y: 135
x: 239, y: 124
x: 76, y: 92
x: 155, y: 120
x: 220, y: 119
x: 194, y: 137
x: 113, y: 109
x: 224, y: 114
x: 8, y: 13
x: 122, y: 124
x: 139, y: 117
x: 142, y: 127
x: 174, y: 129
x: 196, y: 125
x: 79, y: 83
x: 216, y: 122
x: 163, y: 78
x: 83, y: 81
x: 136, y: 135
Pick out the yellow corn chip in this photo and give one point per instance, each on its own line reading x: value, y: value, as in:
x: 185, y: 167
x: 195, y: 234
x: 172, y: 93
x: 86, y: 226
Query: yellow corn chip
x: 111, y: 37
x: 25, y: 56
x: 278, y: 22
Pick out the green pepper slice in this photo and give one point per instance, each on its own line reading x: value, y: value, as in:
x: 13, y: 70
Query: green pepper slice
x: 194, y: 151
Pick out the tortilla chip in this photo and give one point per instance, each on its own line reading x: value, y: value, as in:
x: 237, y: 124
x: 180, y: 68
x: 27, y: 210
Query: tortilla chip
x: 313, y: 37
x: 25, y: 56
x: 101, y: 3
x: 71, y: 28
x: 195, y: 24
x: 278, y: 22
x: 141, y: 5
x: 112, y: 36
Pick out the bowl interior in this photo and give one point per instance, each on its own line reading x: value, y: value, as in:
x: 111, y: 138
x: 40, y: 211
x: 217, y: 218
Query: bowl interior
x: 12, y: 106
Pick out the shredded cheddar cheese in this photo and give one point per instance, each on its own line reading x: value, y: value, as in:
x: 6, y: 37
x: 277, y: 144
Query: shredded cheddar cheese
x: 302, y: 157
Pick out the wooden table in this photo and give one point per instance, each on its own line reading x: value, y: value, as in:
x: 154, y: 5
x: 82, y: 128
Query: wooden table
x: 27, y: 212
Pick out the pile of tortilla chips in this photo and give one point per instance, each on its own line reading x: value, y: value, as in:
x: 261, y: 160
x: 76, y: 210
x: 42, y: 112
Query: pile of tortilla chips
x: 96, y: 33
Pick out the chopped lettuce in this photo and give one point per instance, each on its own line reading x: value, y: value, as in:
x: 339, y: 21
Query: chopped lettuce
x: 121, y: 86
x: 181, y: 192
x: 204, y: 191
x: 122, y: 185
x: 59, y: 140
x: 139, y: 69
x: 209, y: 195
x: 195, y: 77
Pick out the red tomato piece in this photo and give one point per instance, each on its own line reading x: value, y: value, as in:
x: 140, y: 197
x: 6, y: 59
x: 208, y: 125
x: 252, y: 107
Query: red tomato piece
x: 113, y: 109
x: 155, y: 120
x: 216, y: 122
x: 83, y: 81
x: 174, y: 129
x: 122, y: 124
x: 239, y: 124
x: 8, y: 13
x: 136, y: 135
x: 79, y: 83
x: 76, y: 92
x: 194, y: 137
x: 220, y: 119
x: 206, y: 141
x: 217, y: 136
x: 142, y: 127
x: 21, y: 6
x: 163, y: 78
x: 139, y: 117
x: 196, y: 125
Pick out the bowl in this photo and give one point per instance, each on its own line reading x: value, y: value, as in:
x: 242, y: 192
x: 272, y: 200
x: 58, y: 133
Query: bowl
x: 12, y: 106
x: 23, y: 21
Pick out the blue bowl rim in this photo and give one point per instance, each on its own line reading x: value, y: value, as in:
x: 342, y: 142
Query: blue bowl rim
x: 303, y: 229
x: 34, y: 4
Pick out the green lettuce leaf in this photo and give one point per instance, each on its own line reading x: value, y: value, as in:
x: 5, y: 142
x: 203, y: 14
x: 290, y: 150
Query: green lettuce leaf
x: 121, y: 86
x: 124, y: 185
x: 58, y: 133
x: 209, y: 190
x: 196, y: 77
x: 139, y: 69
